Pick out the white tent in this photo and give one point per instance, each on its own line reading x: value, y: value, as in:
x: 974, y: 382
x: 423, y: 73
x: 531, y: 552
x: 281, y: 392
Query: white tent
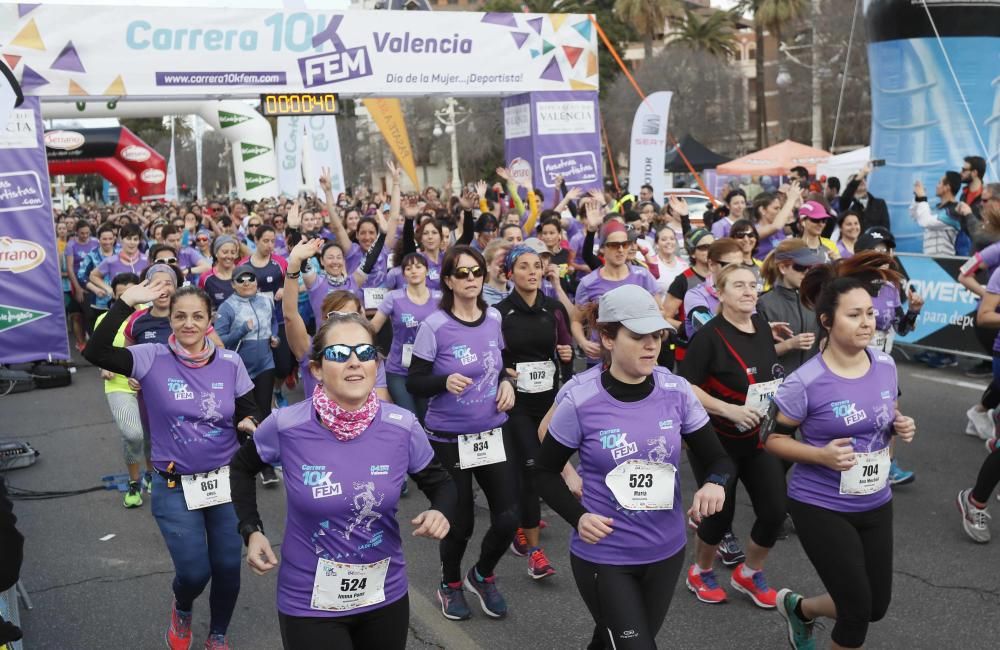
x: 845, y: 164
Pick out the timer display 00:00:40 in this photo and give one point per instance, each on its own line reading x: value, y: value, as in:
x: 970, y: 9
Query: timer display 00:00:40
x: 298, y: 104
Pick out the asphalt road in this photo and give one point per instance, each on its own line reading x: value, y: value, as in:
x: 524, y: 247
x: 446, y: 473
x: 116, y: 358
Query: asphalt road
x: 95, y: 594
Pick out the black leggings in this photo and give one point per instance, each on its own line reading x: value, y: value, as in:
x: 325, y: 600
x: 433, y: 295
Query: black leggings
x: 284, y: 362
x: 384, y: 628
x: 263, y: 392
x: 763, y: 476
x: 852, y: 553
x: 628, y: 602
x: 989, y: 476
x: 499, y: 483
x: 524, y: 434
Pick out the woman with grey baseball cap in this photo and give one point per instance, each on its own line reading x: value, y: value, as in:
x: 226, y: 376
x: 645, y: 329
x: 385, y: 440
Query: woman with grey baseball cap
x: 627, y: 419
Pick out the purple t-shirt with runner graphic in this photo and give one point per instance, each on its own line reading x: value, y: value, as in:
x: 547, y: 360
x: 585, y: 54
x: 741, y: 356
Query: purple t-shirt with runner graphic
x: 341, y: 497
x: 112, y: 266
x: 828, y: 407
x: 405, y: 317
x: 191, y: 409
x: 472, y: 351
x: 594, y: 285
x: 607, y: 433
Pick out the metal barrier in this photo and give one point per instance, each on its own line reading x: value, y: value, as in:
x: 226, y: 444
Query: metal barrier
x: 9, y: 612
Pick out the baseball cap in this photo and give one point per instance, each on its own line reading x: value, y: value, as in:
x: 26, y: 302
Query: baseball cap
x: 536, y: 245
x: 634, y: 308
x: 875, y: 236
x: 801, y: 256
x: 813, y: 210
x: 696, y: 236
x: 243, y: 269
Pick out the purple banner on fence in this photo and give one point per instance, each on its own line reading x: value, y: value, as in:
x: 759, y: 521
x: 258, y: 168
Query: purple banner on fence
x: 552, y: 134
x: 32, y: 312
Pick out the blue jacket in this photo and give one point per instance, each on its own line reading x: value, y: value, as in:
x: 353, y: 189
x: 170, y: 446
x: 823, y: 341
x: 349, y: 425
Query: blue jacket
x: 253, y: 345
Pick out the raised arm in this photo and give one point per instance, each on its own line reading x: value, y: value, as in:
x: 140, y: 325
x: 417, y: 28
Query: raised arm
x: 295, y: 327
x: 336, y: 221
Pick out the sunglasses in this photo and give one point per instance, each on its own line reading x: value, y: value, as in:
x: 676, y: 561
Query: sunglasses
x: 801, y: 268
x: 202, y: 239
x: 167, y: 260
x: 745, y: 265
x: 616, y: 245
x: 341, y: 353
x: 744, y: 235
x: 246, y: 279
x: 702, y: 247
x: 464, y: 272
x: 253, y: 225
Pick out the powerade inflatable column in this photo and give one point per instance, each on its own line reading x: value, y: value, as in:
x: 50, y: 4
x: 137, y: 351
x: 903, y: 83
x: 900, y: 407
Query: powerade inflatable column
x: 920, y: 125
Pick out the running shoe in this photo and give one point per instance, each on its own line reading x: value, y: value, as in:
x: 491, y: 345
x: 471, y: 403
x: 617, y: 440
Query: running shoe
x: 973, y: 518
x: 520, y: 546
x: 147, y: 482
x: 704, y: 585
x: 799, y: 631
x: 80, y: 347
x: 538, y: 565
x: 981, y: 370
x: 486, y: 590
x: 787, y: 528
x: 453, y: 604
x: 280, y: 400
x: 900, y: 476
x: 943, y: 361
x: 542, y: 524
x: 179, y: 633
x: 405, y: 490
x: 133, y: 498
x: 268, y: 477
x: 991, y: 446
x: 216, y: 642
x: 755, y: 586
x: 980, y: 423
x: 730, y: 551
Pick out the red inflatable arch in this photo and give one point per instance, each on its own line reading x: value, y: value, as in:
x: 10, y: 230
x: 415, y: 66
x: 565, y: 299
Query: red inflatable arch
x: 117, y: 154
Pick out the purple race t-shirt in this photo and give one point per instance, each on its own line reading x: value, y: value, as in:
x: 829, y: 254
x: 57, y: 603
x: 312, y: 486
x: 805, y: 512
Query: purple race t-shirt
x: 607, y: 433
x: 594, y: 285
x: 829, y: 406
x: 405, y: 317
x: 341, y: 497
x: 79, y: 252
x: 722, y: 227
x: 321, y: 287
x: 700, y: 306
x: 191, y: 409
x: 472, y: 351
x: 990, y: 257
x: 885, y: 304
x: 112, y: 266
x: 993, y: 286
x: 767, y: 244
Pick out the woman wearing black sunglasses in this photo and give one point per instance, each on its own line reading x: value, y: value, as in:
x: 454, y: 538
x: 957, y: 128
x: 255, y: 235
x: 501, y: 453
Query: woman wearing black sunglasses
x: 457, y: 363
x: 342, y: 582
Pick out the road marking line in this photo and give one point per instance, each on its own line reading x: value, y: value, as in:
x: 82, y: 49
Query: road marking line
x: 950, y: 382
x: 445, y: 631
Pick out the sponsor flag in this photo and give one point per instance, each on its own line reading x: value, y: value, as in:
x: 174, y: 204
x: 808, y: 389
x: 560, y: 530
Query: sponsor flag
x: 649, y: 145
x: 322, y: 149
x: 388, y: 116
x: 32, y: 313
x: 288, y: 147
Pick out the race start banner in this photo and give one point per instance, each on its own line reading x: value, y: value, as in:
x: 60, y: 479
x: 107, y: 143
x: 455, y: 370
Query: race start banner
x: 947, y: 321
x: 71, y: 51
x: 32, y: 314
x: 552, y: 134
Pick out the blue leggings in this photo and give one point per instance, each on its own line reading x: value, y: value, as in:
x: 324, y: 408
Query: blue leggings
x: 203, y: 545
x: 402, y: 397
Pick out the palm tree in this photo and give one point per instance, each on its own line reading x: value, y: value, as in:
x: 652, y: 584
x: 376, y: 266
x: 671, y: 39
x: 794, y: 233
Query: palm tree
x: 647, y: 17
x: 769, y: 15
x: 712, y: 33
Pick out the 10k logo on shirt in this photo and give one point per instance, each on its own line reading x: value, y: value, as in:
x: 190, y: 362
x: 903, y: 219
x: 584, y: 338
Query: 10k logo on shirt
x: 179, y: 389
x: 320, y: 480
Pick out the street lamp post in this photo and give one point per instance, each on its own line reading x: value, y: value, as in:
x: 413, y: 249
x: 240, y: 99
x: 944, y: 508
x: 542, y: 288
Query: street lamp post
x: 451, y: 116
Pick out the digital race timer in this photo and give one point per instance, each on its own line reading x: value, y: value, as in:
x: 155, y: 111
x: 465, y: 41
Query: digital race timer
x: 277, y: 104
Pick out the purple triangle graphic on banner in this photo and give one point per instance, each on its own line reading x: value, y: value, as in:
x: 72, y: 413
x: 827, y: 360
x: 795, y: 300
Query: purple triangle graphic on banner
x: 583, y: 28
x: 507, y: 20
x: 520, y: 38
x: 536, y: 24
x: 31, y: 79
x: 68, y: 60
x: 24, y: 8
x: 552, y: 72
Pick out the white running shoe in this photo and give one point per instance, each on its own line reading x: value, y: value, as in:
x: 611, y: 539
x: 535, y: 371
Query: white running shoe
x: 980, y: 423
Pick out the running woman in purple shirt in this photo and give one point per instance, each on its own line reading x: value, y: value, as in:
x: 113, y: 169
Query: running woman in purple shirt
x: 628, y: 419
x: 197, y: 396
x: 405, y: 309
x: 458, y: 364
x: 342, y: 581
x: 843, y: 402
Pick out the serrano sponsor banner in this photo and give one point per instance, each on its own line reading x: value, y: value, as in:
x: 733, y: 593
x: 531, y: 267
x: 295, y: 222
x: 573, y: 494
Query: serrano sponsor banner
x: 72, y: 51
x: 948, y: 319
x: 32, y: 316
x: 649, y: 144
x: 548, y: 135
